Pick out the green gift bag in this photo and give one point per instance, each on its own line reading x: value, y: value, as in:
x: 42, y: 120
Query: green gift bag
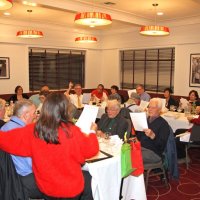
x: 126, y: 163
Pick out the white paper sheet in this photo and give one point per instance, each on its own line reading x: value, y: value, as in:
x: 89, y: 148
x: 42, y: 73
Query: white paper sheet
x: 184, y: 103
x: 88, y: 116
x: 86, y: 98
x: 185, y: 137
x: 144, y: 104
x: 139, y: 121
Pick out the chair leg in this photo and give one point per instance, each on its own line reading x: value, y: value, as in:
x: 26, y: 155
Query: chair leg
x: 165, y: 177
x: 147, y: 178
x: 186, y: 156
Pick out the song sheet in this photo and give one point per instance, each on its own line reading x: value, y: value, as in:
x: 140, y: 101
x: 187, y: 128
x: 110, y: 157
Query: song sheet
x: 139, y: 121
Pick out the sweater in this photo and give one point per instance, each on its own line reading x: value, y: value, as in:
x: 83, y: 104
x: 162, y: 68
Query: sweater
x: 57, y: 167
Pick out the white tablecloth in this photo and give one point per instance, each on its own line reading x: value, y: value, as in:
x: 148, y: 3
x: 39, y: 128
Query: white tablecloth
x: 177, y: 120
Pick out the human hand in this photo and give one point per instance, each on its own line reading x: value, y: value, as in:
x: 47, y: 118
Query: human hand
x: 70, y: 85
x: 100, y: 134
x: 197, y: 110
x: 189, y: 118
x: 149, y: 133
x: 93, y: 127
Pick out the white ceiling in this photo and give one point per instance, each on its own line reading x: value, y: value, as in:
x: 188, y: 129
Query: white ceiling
x: 125, y: 13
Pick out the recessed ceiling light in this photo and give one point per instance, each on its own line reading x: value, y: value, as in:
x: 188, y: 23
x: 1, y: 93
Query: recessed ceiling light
x: 160, y: 13
x: 29, y: 3
x: 6, y: 13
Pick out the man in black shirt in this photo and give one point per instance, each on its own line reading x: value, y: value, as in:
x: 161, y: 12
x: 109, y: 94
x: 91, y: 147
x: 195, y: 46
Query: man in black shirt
x: 154, y: 139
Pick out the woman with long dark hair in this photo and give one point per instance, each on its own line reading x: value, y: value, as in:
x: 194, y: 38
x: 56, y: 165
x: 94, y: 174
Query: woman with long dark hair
x: 57, y: 148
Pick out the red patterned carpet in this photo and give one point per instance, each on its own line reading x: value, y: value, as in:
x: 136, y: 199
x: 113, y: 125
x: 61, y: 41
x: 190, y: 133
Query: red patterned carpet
x: 188, y: 186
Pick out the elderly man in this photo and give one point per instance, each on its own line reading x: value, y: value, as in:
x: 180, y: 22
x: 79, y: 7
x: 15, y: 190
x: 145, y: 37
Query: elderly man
x: 23, y: 114
x: 143, y: 95
x: 2, y: 111
x: 76, y: 99
x: 35, y: 98
x: 112, y: 122
x: 154, y: 139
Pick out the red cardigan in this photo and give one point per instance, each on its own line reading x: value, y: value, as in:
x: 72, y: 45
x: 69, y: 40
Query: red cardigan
x: 57, y: 168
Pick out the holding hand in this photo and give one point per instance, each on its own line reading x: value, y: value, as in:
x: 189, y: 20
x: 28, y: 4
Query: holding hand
x: 149, y: 133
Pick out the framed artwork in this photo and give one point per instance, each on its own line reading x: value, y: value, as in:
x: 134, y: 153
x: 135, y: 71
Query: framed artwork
x: 194, y: 70
x: 4, y: 68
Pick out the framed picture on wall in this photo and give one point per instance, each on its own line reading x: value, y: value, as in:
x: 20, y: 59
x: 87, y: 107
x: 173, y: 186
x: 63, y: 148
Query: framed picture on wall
x: 194, y: 70
x: 4, y: 68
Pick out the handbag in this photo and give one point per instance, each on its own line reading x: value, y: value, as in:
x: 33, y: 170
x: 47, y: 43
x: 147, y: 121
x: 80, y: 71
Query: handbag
x: 136, y: 157
x: 126, y: 163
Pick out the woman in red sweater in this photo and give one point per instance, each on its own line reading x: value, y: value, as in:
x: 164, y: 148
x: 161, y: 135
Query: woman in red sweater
x: 57, y: 148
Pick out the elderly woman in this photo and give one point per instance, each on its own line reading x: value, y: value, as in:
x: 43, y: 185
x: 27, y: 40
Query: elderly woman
x: 112, y: 122
x: 133, y: 103
x: 193, y: 98
x: 154, y: 138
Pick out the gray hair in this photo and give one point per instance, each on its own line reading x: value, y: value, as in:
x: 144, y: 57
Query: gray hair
x: 114, y: 103
x: 2, y: 103
x: 158, y: 102
x: 21, y: 107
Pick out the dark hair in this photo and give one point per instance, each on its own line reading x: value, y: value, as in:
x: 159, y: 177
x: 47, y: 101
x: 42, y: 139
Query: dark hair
x: 101, y: 85
x: 114, y: 87
x: 44, y: 93
x: 55, y: 111
x: 195, y: 93
x: 169, y: 90
x: 17, y: 88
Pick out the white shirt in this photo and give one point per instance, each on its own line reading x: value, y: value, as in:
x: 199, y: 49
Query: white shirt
x: 74, y: 99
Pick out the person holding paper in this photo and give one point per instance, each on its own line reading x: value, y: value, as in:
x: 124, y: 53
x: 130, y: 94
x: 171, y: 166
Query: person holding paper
x: 58, y: 150
x: 112, y: 122
x: 143, y: 95
x: 154, y: 138
x: 169, y: 100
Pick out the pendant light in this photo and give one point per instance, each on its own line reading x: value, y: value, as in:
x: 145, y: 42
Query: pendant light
x: 6, y: 4
x: 154, y: 30
x: 86, y: 39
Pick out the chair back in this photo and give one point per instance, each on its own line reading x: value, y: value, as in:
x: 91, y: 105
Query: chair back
x: 195, y: 133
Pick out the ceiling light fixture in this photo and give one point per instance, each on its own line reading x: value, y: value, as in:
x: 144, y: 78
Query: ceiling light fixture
x: 154, y: 30
x: 30, y: 33
x: 86, y: 39
x: 93, y: 19
x: 6, y: 4
x: 28, y: 3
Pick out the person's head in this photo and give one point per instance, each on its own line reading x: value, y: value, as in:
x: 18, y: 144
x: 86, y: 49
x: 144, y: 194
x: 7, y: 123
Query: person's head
x: 167, y: 92
x: 155, y: 107
x: 113, y: 108
x: 100, y: 88
x: 44, y: 88
x: 25, y: 110
x: 19, y: 90
x: 140, y: 89
x: 114, y: 89
x: 54, y: 112
x: 135, y: 97
x: 78, y: 89
x: 2, y: 108
x: 193, y: 95
x: 43, y: 95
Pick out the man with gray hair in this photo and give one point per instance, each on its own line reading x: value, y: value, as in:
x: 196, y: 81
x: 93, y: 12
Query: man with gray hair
x: 23, y: 114
x: 154, y: 138
x: 143, y: 95
x: 2, y: 111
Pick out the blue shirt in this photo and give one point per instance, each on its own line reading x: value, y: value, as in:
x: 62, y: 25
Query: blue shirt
x: 145, y: 96
x: 23, y: 165
x: 35, y: 99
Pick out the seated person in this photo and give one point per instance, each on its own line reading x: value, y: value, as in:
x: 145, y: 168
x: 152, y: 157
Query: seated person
x: 18, y: 95
x: 35, y: 98
x: 180, y: 146
x: 114, y: 93
x: 143, y: 95
x: 24, y: 113
x: 99, y: 94
x: 193, y: 98
x: 2, y: 111
x: 154, y: 139
x: 76, y: 99
x: 133, y: 103
x: 112, y: 123
x: 169, y: 100
x: 42, y: 96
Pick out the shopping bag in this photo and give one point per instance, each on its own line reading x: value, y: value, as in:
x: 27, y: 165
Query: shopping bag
x: 136, y: 157
x: 126, y: 163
